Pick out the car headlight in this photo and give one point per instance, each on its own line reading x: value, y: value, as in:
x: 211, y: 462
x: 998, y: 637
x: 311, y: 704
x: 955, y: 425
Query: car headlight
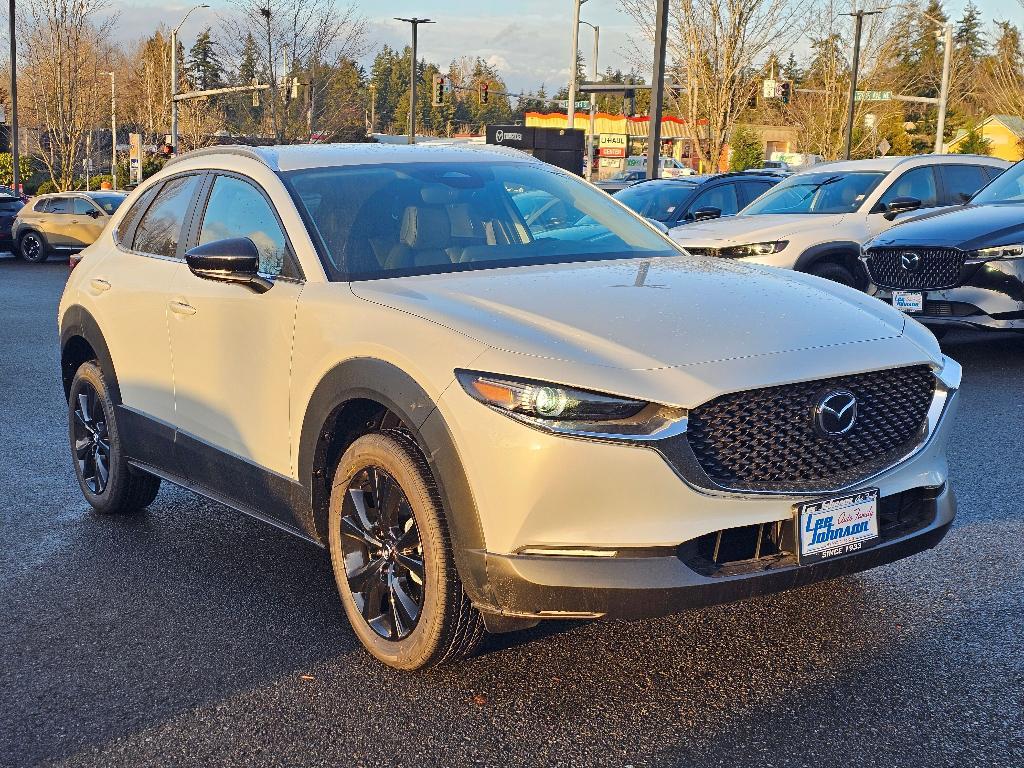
x: 1002, y: 252
x: 570, y: 411
x: 752, y: 249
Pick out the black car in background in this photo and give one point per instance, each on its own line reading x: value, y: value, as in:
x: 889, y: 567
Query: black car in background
x: 960, y: 266
x: 9, y: 207
x: 696, y: 198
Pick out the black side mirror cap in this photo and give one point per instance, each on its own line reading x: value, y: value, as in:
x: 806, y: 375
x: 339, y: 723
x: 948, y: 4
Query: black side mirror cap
x: 900, y: 205
x: 95, y: 214
x: 706, y: 214
x: 232, y: 260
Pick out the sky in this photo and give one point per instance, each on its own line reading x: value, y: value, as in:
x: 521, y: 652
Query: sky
x: 527, y: 40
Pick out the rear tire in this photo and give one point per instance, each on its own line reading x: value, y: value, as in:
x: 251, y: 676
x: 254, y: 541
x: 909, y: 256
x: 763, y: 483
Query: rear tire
x: 392, y: 557
x: 107, y: 481
x: 32, y: 248
x: 837, y: 273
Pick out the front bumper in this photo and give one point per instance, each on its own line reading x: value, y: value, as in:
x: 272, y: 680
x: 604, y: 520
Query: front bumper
x: 989, y: 295
x: 545, y: 587
x: 551, y: 509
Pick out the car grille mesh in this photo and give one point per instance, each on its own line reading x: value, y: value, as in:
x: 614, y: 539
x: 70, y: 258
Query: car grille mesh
x: 939, y: 268
x: 764, y: 439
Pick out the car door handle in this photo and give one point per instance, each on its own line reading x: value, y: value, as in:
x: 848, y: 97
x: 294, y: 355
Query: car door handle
x: 182, y: 308
x: 98, y: 285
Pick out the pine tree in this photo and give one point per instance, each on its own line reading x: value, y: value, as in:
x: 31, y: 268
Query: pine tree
x: 204, y: 66
x: 791, y: 70
x: 974, y: 144
x: 969, y: 37
x: 746, y: 149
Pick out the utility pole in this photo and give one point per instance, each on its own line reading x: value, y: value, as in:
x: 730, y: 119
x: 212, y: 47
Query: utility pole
x: 947, y: 56
x: 657, y: 89
x: 113, y: 133
x: 858, y: 27
x: 415, y: 22
x: 593, y: 98
x: 16, y: 181
x: 174, y: 78
x: 573, y: 71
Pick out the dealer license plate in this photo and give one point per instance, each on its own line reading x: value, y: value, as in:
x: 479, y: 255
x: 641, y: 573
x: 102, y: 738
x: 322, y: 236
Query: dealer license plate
x: 908, y: 301
x: 837, y: 526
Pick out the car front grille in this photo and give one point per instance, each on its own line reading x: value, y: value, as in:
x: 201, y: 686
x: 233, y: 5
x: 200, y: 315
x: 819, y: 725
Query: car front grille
x: 934, y: 268
x: 765, y: 439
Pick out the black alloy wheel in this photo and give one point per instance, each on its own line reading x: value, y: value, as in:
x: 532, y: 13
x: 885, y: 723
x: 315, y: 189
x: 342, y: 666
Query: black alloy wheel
x: 31, y: 248
x: 383, y: 553
x: 92, y: 441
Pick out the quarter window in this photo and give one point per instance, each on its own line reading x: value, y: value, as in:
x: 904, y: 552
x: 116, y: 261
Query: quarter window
x: 159, y: 232
x: 918, y: 183
x: 238, y: 209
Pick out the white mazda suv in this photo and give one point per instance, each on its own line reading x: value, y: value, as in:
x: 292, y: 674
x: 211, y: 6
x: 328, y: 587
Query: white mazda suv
x: 486, y: 423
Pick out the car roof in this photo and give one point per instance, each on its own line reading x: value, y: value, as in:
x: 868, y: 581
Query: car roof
x: 891, y: 163
x: 298, y: 156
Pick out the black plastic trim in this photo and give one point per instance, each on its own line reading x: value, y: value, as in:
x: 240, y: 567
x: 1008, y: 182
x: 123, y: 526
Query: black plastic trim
x: 78, y: 322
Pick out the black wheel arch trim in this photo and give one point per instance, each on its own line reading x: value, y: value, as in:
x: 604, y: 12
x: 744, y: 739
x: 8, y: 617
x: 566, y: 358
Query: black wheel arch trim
x: 385, y: 383
x: 78, y: 322
x: 816, y: 253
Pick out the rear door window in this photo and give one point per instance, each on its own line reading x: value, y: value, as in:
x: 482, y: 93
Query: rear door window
x: 961, y: 182
x: 60, y: 205
x: 160, y: 230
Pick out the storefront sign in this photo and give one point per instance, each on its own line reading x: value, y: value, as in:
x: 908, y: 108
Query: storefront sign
x: 612, y: 144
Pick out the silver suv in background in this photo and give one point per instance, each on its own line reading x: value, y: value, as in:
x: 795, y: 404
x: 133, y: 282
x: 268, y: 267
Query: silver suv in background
x: 816, y: 220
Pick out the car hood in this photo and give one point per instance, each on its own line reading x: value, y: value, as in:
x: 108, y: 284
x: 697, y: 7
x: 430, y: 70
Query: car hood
x: 641, y: 314
x: 742, y: 228
x: 965, y: 227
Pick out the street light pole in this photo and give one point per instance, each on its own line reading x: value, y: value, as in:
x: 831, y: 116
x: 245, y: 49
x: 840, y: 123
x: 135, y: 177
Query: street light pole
x: 415, y: 22
x: 940, y: 127
x: 657, y: 89
x: 573, y: 71
x: 113, y: 135
x: 15, y: 180
x: 858, y: 27
x: 593, y: 98
x: 174, y: 77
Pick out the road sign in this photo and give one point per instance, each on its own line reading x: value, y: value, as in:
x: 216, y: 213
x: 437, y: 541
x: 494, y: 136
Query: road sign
x: 873, y: 96
x: 135, y: 158
x: 870, y: 120
x: 883, y: 147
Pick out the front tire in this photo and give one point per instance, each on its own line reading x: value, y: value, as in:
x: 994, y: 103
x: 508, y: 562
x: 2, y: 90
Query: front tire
x: 837, y: 273
x: 107, y: 481
x: 32, y: 248
x: 392, y: 557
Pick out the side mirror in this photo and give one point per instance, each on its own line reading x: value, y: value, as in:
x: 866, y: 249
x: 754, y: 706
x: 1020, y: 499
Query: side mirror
x: 706, y: 214
x: 900, y: 205
x: 234, y: 260
x: 658, y: 225
x: 94, y: 213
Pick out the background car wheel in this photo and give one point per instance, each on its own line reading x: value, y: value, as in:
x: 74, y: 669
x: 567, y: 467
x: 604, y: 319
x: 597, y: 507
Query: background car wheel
x: 108, y: 483
x: 837, y: 273
x: 392, y: 557
x: 32, y: 248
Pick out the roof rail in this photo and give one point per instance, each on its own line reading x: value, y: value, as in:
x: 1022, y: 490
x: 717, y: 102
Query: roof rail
x: 242, y: 150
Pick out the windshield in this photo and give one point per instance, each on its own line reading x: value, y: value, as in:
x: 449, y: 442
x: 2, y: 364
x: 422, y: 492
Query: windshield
x: 817, y: 193
x: 387, y: 220
x: 1008, y: 187
x: 108, y: 203
x: 658, y: 201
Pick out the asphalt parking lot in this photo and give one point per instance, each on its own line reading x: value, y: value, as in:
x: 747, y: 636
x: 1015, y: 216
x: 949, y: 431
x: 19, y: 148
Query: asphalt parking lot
x: 192, y: 635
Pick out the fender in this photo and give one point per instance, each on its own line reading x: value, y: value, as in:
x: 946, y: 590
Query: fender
x: 815, y: 252
x: 392, y: 387
x: 78, y: 322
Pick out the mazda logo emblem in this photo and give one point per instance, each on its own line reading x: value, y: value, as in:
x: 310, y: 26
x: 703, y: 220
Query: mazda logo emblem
x: 836, y: 413
x: 499, y: 135
x: 910, y: 261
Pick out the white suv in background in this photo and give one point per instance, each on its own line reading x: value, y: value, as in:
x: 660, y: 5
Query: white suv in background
x: 816, y: 220
x: 488, y: 423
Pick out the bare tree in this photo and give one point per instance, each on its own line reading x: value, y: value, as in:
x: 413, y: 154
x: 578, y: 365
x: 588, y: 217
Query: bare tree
x: 716, y: 48
x: 64, y: 47
x: 295, y: 38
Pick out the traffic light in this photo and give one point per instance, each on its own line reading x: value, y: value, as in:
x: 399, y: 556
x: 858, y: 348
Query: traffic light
x: 438, y: 91
x: 785, y: 91
x: 483, y: 92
